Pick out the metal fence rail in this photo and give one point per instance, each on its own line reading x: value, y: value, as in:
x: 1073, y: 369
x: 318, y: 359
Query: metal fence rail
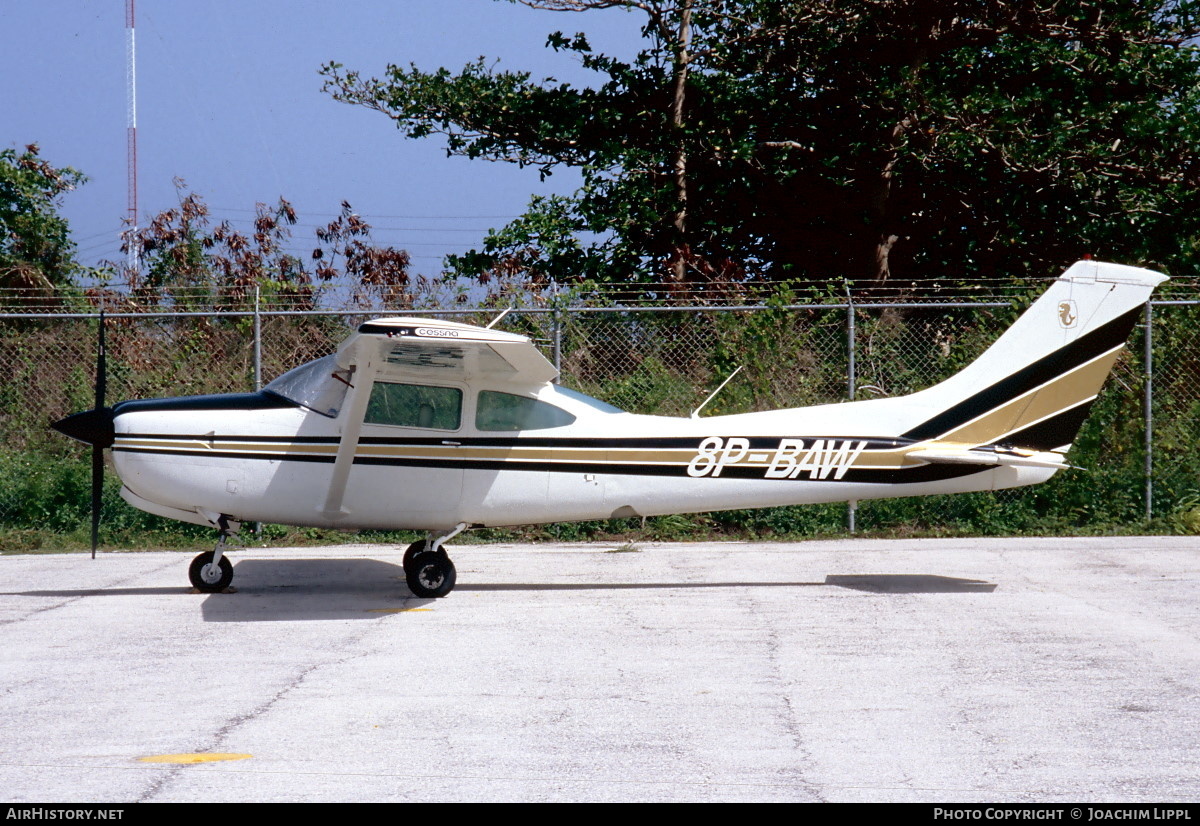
x: 662, y: 360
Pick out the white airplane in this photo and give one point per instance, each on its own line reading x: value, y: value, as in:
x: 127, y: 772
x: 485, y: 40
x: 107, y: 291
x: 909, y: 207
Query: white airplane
x: 438, y: 426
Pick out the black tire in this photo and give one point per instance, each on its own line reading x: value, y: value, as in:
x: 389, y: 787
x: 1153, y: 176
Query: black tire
x: 431, y: 575
x: 413, y: 549
x: 205, y: 579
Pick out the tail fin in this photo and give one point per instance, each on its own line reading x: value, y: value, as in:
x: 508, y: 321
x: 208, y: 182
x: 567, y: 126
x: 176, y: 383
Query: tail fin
x: 1033, y: 387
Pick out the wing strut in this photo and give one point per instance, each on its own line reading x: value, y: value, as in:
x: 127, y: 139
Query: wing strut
x: 364, y: 380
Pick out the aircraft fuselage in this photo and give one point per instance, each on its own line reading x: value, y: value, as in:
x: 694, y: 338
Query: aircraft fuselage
x: 259, y: 458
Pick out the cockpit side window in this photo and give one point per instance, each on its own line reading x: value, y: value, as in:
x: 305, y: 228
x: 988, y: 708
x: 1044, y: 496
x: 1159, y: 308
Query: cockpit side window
x: 504, y: 411
x: 317, y: 385
x: 415, y: 405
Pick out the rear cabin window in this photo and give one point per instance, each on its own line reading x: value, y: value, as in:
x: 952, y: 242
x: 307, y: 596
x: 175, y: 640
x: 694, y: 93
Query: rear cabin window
x: 504, y: 411
x: 415, y: 405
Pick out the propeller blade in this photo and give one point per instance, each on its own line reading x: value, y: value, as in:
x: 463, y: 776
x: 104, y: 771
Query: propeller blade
x: 97, y: 490
x: 101, y: 367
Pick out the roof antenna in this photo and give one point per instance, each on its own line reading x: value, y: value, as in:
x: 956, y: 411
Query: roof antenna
x: 712, y: 395
x: 496, y: 320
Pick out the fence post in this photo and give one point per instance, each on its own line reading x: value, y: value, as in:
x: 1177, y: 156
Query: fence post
x: 557, y: 340
x: 257, y: 343
x: 1148, y: 412
x: 852, y: 505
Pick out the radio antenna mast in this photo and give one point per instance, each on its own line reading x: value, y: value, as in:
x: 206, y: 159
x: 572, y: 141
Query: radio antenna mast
x: 133, y: 259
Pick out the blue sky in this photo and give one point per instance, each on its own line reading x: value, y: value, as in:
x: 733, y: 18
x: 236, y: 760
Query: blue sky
x: 230, y: 101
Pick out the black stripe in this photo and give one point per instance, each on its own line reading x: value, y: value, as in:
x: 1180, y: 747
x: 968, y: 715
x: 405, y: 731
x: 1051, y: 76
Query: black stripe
x: 1060, y: 429
x: 757, y: 443
x: 1067, y: 358
x: 210, y: 437
x: 910, y: 475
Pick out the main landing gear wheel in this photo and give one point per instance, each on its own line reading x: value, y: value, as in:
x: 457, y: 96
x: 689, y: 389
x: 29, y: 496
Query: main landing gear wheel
x: 427, y: 567
x: 431, y: 574
x: 413, y: 549
x: 210, y: 578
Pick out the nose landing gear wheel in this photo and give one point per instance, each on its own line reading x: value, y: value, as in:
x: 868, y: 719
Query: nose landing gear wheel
x: 209, y: 578
x: 430, y: 575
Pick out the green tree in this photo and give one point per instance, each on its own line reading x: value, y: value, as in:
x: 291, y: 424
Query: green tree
x: 816, y: 139
x: 187, y: 262
x: 36, y: 251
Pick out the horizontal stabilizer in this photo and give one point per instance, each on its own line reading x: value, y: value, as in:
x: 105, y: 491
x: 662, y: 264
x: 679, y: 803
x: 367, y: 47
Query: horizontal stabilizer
x: 998, y: 457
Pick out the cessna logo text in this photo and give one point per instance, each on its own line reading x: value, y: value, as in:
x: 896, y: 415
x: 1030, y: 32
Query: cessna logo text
x: 819, y: 458
x: 426, y: 331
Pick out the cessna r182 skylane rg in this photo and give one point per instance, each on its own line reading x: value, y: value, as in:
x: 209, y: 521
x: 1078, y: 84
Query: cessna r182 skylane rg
x: 437, y: 426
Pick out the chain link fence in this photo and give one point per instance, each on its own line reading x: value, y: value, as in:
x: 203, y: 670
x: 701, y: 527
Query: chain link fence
x: 1139, y: 442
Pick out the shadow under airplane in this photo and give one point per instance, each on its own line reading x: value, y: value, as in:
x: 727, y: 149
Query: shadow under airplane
x: 278, y: 590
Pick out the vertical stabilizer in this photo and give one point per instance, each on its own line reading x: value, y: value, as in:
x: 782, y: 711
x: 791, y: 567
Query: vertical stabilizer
x: 1033, y: 387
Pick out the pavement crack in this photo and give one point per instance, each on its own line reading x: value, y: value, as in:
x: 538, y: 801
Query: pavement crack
x: 224, y: 732
x: 787, y: 713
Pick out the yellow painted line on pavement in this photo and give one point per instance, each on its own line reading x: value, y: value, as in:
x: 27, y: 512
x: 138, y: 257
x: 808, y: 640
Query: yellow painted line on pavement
x: 203, y: 757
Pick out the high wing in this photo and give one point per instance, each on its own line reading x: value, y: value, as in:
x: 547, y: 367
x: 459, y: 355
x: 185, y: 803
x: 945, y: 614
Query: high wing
x: 422, y: 348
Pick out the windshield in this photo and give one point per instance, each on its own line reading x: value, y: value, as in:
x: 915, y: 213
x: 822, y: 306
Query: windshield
x: 318, y: 385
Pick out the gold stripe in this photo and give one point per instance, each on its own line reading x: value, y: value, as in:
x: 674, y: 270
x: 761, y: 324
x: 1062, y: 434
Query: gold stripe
x: 205, y: 446
x: 884, y: 458
x: 1057, y: 395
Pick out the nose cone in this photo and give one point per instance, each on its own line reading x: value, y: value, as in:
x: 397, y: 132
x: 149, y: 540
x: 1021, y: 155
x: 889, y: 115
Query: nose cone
x: 95, y: 427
